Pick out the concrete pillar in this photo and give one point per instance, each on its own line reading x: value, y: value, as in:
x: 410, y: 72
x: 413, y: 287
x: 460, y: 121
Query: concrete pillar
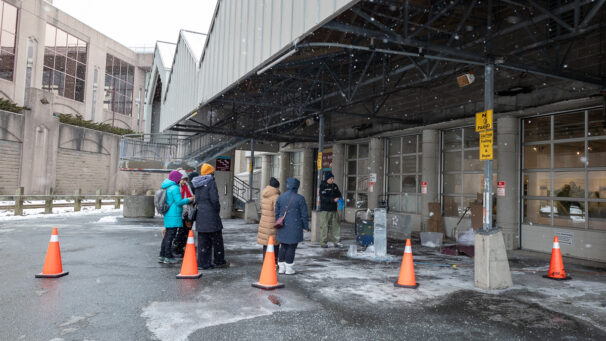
x: 376, y: 162
x: 265, y: 172
x: 139, y: 206
x: 491, y: 267
x: 284, y: 170
x: 431, y: 172
x: 307, y: 178
x: 40, y: 144
x: 508, y: 170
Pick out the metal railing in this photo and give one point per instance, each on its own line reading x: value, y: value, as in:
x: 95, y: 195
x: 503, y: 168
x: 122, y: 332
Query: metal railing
x: 172, y: 148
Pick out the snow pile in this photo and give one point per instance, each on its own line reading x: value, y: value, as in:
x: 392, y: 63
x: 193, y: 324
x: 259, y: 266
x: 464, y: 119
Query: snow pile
x: 57, y: 212
x: 108, y: 219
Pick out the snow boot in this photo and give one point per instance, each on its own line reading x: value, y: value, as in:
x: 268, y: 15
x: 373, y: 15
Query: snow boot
x: 281, y: 267
x: 290, y: 270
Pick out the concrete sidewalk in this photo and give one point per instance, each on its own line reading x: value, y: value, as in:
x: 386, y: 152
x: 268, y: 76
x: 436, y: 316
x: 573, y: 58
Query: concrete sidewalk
x: 116, y: 291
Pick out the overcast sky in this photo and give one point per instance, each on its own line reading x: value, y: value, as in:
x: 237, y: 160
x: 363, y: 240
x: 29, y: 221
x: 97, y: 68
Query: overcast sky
x: 137, y: 23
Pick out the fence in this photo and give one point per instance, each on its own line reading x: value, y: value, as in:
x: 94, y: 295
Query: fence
x: 19, y: 201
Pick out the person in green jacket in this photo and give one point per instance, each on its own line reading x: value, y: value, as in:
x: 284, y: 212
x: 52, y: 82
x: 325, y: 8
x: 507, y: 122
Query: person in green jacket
x: 173, y: 218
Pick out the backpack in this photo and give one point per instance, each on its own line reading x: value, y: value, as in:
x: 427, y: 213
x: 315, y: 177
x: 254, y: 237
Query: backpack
x: 160, y: 202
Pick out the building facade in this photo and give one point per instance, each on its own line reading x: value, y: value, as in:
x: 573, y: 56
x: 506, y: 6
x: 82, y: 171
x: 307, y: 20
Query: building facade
x: 86, y: 72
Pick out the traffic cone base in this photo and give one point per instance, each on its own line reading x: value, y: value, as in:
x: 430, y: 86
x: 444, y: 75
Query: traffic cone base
x: 267, y: 287
x: 405, y: 286
x: 269, y: 278
x: 558, y: 279
x: 189, y: 276
x: 189, y: 267
x: 41, y: 275
x: 52, y: 267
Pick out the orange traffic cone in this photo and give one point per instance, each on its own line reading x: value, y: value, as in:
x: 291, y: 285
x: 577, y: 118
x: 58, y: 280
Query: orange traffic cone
x: 189, y: 268
x: 269, y: 277
x: 407, y: 270
x: 52, y: 263
x: 556, y: 266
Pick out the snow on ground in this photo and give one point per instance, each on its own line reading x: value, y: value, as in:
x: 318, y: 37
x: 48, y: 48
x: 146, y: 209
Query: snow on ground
x: 174, y: 321
x: 336, y: 277
x: 57, y: 212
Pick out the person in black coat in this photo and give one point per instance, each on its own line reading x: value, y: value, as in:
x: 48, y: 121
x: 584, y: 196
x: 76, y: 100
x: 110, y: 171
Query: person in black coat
x: 208, y: 221
x: 295, y: 221
x: 330, y: 227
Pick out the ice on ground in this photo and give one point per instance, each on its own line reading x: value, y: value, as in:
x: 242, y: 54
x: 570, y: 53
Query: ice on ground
x: 175, y: 321
x: 108, y: 219
x: 369, y: 254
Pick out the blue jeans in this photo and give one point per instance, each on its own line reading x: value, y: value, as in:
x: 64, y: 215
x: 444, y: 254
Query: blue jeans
x: 287, y: 253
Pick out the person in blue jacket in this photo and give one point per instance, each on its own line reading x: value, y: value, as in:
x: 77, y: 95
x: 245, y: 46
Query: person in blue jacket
x: 173, y: 218
x: 295, y: 221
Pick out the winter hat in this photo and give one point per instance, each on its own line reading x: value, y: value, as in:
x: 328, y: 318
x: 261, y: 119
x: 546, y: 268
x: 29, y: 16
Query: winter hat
x: 174, y: 176
x: 273, y: 182
x: 193, y: 175
x: 183, y: 174
x: 207, y: 169
x: 328, y: 175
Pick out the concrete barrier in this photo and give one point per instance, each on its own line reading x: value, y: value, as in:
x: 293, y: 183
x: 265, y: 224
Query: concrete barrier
x: 139, y: 206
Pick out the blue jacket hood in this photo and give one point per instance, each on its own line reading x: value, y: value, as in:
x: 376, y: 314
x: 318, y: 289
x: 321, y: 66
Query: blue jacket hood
x: 167, y: 183
x: 292, y: 184
x: 201, y: 180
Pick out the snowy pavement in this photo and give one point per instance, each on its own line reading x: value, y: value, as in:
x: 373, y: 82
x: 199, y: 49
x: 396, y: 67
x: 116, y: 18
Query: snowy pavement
x: 116, y: 290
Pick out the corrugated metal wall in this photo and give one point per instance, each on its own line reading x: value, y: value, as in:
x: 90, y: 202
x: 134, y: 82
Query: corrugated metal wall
x: 246, y: 34
x: 182, y: 93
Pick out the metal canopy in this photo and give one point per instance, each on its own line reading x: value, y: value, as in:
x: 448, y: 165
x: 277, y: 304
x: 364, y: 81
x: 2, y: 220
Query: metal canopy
x: 378, y: 63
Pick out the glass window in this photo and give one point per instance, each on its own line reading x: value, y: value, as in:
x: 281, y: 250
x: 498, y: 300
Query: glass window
x: 61, y: 59
x: 118, y: 85
x: 596, y: 153
x: 537, y: 129
x: 537, y: 156
x: 404, y: 169
x: 569, y: 155
x: 7, y: 40
x: 357, y: 175
x: 597, y: 123
x: 568, y: 126
x: 570, y: 190
x: 463, y: 171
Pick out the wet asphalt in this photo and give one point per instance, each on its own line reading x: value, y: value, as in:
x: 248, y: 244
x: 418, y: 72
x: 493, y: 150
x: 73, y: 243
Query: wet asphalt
x: 115, y: 284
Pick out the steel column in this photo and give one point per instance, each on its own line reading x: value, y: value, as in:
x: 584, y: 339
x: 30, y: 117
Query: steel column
x: 488, y: 105
x: 251, y: 169
x: 320, y: 155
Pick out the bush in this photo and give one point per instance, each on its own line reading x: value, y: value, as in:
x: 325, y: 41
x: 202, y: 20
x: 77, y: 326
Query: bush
x: 8, y: 105
x: 80, y: 122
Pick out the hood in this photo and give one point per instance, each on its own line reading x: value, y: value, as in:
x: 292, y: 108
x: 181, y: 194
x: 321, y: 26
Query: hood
x: 167, y: 183
x: 292, y: 184
x: 201, y: 180
x: 270, y: 191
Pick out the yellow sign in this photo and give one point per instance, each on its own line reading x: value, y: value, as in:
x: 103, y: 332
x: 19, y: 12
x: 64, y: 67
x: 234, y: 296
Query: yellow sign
x: 486, y: 139
x: 319, y: 160
x: 484, y: 121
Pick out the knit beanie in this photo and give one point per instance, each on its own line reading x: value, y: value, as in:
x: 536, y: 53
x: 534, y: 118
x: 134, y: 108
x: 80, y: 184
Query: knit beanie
x: 183, y: 174
x: 273, y: 182
x: 175, y: 176
x: 328, y: 175
x: 207, y: 169
x: 192, y: 175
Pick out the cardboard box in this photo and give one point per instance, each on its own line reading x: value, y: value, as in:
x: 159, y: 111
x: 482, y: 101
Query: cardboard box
x: 435, y: 225
x: 476, y: 215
